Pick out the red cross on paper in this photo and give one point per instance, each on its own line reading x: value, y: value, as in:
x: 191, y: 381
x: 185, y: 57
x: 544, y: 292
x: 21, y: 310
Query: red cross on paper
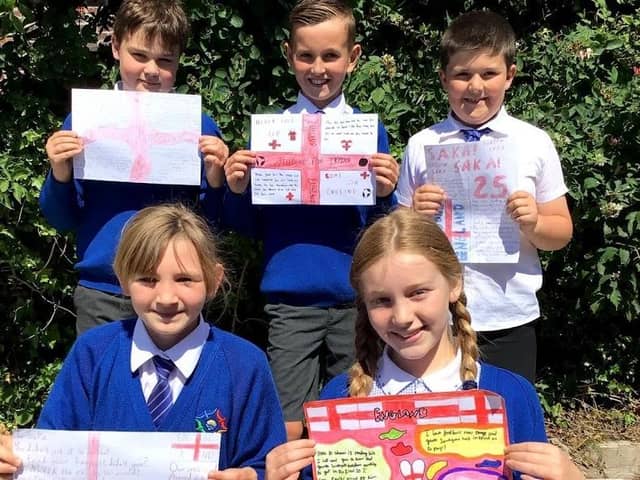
x: 292, y: 135
x: 308, y: 160
x: 274, y: 144
x: 346, y: 144
x: 197, y: 446
x: 364, y: 175
x: 140, y: 138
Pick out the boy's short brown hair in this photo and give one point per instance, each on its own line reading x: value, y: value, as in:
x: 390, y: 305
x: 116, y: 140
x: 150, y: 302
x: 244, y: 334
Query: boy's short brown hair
x: 163, y: 19
x: 478, y: 30
x: 313, y: 12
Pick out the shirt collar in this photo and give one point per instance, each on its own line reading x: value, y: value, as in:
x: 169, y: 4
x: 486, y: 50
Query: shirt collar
x: 498, y: 124
x: 393, y: 380
x: 304, y: 105
x: 185, y: 354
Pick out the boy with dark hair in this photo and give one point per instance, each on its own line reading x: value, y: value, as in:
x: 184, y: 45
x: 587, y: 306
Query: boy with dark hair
x: 477, y: 68
x: 148, y: 39
x: 308, y: 248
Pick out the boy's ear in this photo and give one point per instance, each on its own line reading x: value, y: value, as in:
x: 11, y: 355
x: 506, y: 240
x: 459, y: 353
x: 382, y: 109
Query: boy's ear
x: 354, y: 55
x: 443, y: 77
x: 288, y: 52
x: 115, y: 48
x: 511, y: 72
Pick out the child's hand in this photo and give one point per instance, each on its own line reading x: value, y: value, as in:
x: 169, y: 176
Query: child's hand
x: 9, y: 463
x: 386, y: 170
x: 285, y: 461
x: 428, y: 198
x: 236, y: 170
x: 543, y: 461
x: 523, y: 209
x: 246, y: 473
x: 61, y: 147
x: 215, y: 153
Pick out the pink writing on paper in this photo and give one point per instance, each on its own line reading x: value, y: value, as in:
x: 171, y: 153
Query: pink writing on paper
x: 477, y: 178
x: 433, y: 436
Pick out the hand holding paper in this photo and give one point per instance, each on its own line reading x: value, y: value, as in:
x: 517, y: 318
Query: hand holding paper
x: 428, y: 198
x: 61, y: 147
x: 387, y: 170
x: 9, y: 463
x: 215, y: 153
x: 286, y: 461
x: 236, y: 170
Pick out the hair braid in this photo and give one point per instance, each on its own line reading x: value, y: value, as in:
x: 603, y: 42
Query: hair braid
x: 368, y: 350
x: 467, y: 338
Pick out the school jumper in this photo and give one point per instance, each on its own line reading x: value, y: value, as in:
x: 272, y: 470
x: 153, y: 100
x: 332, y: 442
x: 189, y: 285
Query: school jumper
x: 96, y: 390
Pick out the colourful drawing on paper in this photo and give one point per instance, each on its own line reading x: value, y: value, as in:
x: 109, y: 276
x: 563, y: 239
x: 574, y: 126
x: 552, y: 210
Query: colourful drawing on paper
x: 137, y: 137
x: 313, y: 159
x: 432, y: 436
x: 477, y: 178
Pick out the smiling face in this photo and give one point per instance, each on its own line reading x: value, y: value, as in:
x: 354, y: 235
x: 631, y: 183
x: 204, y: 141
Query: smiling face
x: 476, y: 83
x: 170, y: 299
x: 407, y: 300
x: 146, y: 65
x: 321, y: 56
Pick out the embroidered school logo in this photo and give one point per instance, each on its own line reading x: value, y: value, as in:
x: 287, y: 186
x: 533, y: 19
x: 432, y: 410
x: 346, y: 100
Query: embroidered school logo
x: 209, y: 422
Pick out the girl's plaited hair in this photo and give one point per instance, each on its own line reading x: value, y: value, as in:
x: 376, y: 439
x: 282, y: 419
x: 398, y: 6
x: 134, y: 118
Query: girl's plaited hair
x: 404, y: 230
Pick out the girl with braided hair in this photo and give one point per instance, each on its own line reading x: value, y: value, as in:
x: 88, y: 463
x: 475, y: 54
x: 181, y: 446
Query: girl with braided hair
x: 414, y: 335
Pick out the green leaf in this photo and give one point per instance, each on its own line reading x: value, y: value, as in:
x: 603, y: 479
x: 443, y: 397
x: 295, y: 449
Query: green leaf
x: 377, y: 96
x: 236, y: 21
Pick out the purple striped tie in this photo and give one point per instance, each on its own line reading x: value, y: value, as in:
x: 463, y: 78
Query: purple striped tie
x: 160, y: 400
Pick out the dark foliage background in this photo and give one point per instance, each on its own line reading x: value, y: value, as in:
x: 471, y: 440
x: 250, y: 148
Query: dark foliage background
x: 579, y: 79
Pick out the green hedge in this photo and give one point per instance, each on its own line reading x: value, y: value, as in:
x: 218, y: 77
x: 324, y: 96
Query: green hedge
x: 578, y: 78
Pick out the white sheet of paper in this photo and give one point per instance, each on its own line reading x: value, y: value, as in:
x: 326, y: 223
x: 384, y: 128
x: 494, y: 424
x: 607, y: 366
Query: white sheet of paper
x: 138, y: 137
x: 477, y: 177
x: 359, y: 133
x: 81, y: 455
x: 322, y: 159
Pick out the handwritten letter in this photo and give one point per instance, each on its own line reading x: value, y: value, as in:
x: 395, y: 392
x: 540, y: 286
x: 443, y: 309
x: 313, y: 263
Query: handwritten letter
x: 80, y: 455
x: 478, y: 178
x: 330, y: 156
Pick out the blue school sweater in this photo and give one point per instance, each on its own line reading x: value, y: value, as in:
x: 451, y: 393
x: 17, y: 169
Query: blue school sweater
x: 95, y: 390
x: 307, y: 248
x: 97, y: 211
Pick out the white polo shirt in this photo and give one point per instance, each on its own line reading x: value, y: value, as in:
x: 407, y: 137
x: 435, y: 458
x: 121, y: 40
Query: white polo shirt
x: 499, y: 295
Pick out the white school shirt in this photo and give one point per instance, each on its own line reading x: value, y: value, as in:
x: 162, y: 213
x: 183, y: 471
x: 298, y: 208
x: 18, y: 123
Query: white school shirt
x: 392, y: 380
x: 303, y: 105
x: 499, y: 295
x: 185, y: 355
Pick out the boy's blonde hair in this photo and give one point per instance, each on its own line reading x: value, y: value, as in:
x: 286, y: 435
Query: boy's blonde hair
x: 478, y: 30
x: 148, y: 233
x: 404, y: 230
x: 313, y: 12
x: 162, y: 19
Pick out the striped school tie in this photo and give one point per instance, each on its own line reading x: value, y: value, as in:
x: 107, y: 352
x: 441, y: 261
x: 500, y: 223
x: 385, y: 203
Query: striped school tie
x: 160, y: 400
x: 473, y: 135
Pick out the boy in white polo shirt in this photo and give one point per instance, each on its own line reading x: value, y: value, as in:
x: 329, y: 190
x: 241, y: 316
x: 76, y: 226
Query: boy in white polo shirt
x: 477, y: 58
